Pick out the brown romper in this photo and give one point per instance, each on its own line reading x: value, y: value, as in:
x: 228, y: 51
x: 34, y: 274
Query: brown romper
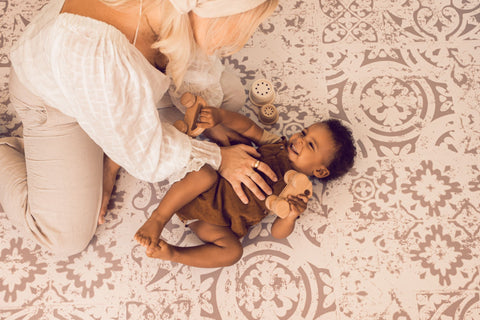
x: 221, y: 206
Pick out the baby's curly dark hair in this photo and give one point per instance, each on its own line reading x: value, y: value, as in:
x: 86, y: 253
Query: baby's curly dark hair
x: 345, y: 154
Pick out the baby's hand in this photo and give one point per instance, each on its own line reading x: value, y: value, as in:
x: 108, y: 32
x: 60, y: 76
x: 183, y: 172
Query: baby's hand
x: 209, y: 117
x: 298, y: 204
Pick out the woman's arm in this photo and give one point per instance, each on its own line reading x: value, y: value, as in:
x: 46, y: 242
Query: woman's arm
x: 112, y: 91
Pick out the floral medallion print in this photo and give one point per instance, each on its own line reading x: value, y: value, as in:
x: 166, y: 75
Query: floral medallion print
x: 374, y: 186
x: 91, y: 269
x: 393, y: 106
x: 266, y: 286
x: 437, y: 20
x: 431, y: 187
x: 441, y: 255
x: 396, y: 238
x: 350, y: 21
x: 19, y: 268
x: 389, y: 101
x: 468, y: 218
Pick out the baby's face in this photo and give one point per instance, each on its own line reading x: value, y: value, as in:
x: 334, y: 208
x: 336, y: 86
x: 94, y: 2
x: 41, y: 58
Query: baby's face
x: 311, y: 150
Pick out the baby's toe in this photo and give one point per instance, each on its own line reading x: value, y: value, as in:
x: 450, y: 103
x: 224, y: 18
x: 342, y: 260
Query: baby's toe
x: 151, y: 250
x: 137, y: 237
x: 144, y: 241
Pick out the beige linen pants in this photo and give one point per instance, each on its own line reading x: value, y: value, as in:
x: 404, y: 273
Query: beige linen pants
x: 52, y: 188
x: 51, y: 180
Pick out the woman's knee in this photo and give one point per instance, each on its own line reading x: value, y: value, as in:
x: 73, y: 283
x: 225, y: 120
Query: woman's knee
x: 66, y: 234
x: 67, y: 244
x: 65, y: 174
x: 233, y: 92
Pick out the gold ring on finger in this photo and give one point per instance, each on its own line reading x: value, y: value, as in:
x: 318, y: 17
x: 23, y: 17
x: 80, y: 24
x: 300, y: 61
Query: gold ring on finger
x: 256, y: 164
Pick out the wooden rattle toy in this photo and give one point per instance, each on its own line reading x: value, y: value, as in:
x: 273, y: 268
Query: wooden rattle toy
x: 189, y: 123
x: 262, y: 95
x: 297, y: 183
x: 261, y: 92
x: 268, y: 114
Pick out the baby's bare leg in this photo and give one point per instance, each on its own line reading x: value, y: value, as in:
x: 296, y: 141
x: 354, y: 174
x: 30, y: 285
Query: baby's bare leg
x: 180, y: 194
x: 222, y: 248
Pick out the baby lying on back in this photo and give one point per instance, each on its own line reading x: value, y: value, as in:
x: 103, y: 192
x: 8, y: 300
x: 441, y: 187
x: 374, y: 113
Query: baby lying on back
x: 207, y: 203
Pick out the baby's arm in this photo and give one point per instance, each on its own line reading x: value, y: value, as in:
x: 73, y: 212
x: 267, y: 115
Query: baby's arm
x: 282, y: 228
x: 210, y: 117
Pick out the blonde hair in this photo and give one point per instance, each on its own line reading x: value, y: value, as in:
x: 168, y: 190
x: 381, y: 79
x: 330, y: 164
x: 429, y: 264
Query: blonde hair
x: 176, y: 38
x: 226, y: 41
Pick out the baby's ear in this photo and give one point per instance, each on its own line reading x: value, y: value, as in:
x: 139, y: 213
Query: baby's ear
x: 321, y: 172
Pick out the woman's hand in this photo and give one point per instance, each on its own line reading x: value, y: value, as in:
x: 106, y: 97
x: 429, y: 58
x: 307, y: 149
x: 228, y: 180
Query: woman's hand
x: 238, y: 166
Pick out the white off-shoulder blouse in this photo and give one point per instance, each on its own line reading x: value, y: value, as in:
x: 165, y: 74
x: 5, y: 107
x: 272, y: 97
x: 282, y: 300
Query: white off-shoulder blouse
x: 88, y: 70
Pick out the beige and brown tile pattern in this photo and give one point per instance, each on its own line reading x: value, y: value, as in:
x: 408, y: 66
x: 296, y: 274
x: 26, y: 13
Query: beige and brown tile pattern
x: 398, y: 238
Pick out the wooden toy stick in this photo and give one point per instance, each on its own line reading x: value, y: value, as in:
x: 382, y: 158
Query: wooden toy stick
x: 189, y: 123
x: 297, y: 183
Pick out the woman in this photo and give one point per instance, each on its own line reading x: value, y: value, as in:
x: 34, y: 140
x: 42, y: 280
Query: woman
x: 84, y: 82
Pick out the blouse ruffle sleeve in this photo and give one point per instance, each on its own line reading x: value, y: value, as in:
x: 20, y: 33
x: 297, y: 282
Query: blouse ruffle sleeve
x: 111, y: 90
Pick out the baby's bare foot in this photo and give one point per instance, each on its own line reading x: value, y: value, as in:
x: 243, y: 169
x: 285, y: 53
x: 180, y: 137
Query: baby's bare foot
x: 162, y: 251
x: 150, y: 231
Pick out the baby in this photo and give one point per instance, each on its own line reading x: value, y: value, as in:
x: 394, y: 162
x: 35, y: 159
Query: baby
x: 210, y: 207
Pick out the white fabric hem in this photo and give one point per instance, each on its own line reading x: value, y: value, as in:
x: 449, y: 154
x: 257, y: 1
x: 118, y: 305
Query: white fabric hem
x: 202, y: 152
